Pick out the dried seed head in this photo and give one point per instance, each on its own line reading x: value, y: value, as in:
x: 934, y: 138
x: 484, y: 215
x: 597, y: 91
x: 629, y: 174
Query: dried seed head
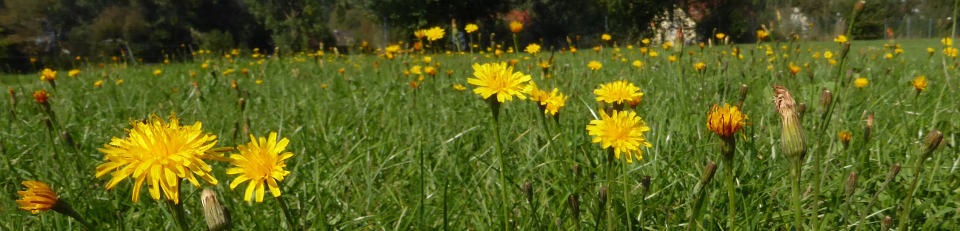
x: 216, y: 216
x: 886, y: 223
x: 792, y: 141
x: 602, y: 197
x: 743, y: 92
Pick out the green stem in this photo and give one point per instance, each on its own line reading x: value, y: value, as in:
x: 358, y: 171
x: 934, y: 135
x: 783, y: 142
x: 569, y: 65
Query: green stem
x: 609, y: 183
x: 291, y: 221
x: 64, y: 208
x: 626, y: 198
x: 495, y: 108
x: 179, y: 215
x: 796, y: 170
x: 731, y: 190
x: 908, y: 203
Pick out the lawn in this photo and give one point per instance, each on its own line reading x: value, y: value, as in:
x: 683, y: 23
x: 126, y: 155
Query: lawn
x: 376, y: 148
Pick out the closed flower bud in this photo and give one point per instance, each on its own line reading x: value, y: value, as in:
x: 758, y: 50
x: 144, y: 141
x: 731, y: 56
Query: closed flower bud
x: 859, y: 6
x: 528, y: 191
x: 602, y: 197
x: 67, y: 138
x: 792, y: 141
x: 574, y: 202
x: 743, y: 92
x: 931, y: 142
x: 886, y: 223
x: 216, y: 216
x: 645, y: 182
x: 708, y: 172
x: 851, y: 184
x: 868, y: 129
x: 826, y: 98
x: 894, y: 170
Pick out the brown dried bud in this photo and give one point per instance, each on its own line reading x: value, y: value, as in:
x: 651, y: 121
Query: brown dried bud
x: 886, y: 223
x: 242, y: 103
x: 932, y: 142
x: 858, y: 7
x: 216, y: 216
x: 743, y: 92
x: 67, y: 138
x: 576, y: 170
x: 528, y: 191
x: 826, y: 98
x: 645, y: 182
x: 868, y: 129
x: 894, y: 170
x: 851, y: 184
x: 574, y: 202
x: 602, y: 197
x: 792, y: 141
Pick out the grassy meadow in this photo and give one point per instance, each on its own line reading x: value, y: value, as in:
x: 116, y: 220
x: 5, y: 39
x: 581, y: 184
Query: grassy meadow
x: 376, y: 148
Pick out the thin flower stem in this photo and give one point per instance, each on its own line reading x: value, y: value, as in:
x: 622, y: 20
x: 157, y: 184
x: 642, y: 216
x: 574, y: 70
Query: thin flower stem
x: 795, y: 199
x: 65, y: 209
x: 626, y: 198
x: 179, y: 215
x: 731, y: 192
x: 609, y: 183
x: 291, y: 221
x: 908, y: 202
x: 503, y: 181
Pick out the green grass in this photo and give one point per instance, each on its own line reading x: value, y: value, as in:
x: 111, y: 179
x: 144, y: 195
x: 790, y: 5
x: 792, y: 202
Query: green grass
x: 358, y: 142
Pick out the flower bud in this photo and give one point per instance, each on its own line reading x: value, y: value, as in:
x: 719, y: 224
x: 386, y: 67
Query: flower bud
x: 708, y: 172
x: 868, y: 129
x: 826, y: 98
x: 851, y: 184
x: 743, y: 92
x: 932, y: 142
x: 602, y: 197
x: 858, y: 7
x: 792, y: 141
x: 67, y: 138
x: 645, y: 183
x: 528, y: 191
x: 894, y: 170
x: 216, y: 216
x: 574, y: 202
x: 886, y: 223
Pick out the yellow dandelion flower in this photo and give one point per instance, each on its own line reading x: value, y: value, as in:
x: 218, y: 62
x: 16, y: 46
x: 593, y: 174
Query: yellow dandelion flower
x: 700, y: 66
x: 500, y: 80
x: 720, y: 36
x: 38, y: 197
x: 470, y: 28
x: 161, y: 154
x: 516, y: 26
x: 537, y: 95
x: 435, y: 33
x: 726, y: 120
x: 533, y: 49
x: 48, y: 74
x: 947, y: 41
x: 623, y: 132
x: 828, y: 54
x: 98, y: 83
x: 157, y: 72
x: 554, y: 102
x: 261, y: 162
x: 617, y: 92
x: 459, y: 87
x: 73, y: 73
x: 762, y: 34
x: 605, y: 37
x: 652, y: 54
x: 637, y: 63
x: 667, y: 45
x: 594, y: 65
x: 794, y: 69
x: 919, y: 83
x: 845, y: 137
x: 672, y: 58
x: 645, y: 41
x: 930, y: 50
x: 416, y: 70
x: 119, y: 82
x: 840, y: 39
x: 861, y: 82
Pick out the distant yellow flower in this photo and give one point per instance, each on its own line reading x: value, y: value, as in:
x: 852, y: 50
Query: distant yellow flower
x: 420, y: 34
x: 416, y: 70
x: 622, y: 132
x: 160, y: 153
x: 119, y: 82
x: 827, y: 54
x: 516, y: 26
x: 919, y: 83
x: 204, y: 66
x: 533, y: 49
x: 98, y: 83
x: 38, y: 197
x: 950, y: 51
x: 667, y: 45
x: 861, y: 82
x: 888, y: 56
x: 537, y: 95
x: 500, y: 80
x: 726, y: 120
x: 261, y: 162
x: 617, y: 92
x: 672, y: 58
x: 157, y: 72
x: 459, y: 87
x: 73, y: 73
x: 605, y: 37
x: 554, y: 102
x: 844, y: 137
x: 258, y: 82
x: 930, y: 50
x: 470, y: 28
x: 720, y: 36
x: 594, y: 65
x: 700, y: 66
x: 947, y: 41
x: 645, y: 41
x: 427, y: 59
x: 430, y: 70
x: 762, y: 34
x: 637, y: 64
x: 840, y: 39
x: 793, y: 68
x: 435, y: 33
x: 48, y: 74
x: 652, y: 54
